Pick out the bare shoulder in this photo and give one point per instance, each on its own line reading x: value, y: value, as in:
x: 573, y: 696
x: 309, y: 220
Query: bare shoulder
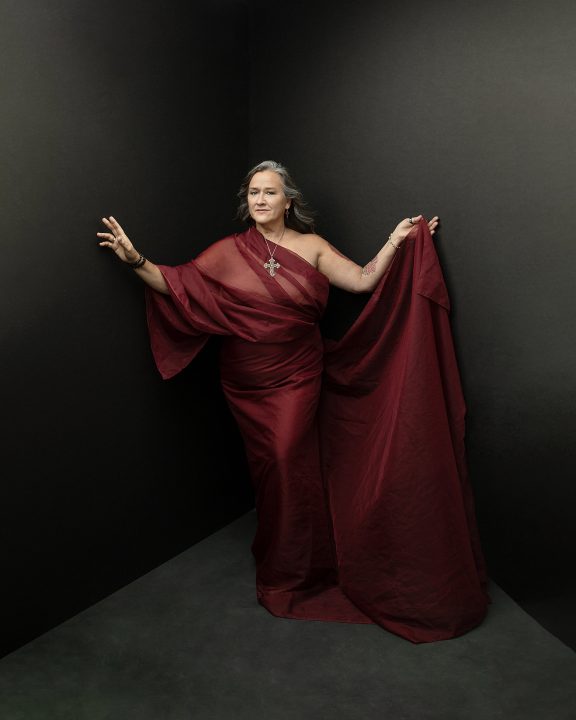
x: 308, y: 245
x: 296, y: 235
x: 326, y: 248
x: 312, y: 239
x: 323, y: 250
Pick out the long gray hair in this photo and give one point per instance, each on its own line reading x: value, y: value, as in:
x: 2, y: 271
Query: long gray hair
x: 299, y: 217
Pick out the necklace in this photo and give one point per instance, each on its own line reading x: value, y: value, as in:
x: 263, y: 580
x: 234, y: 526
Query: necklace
x: 271, y: 265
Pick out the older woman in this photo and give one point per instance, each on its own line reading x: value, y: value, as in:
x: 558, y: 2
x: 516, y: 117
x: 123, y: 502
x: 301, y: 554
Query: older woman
x: 264, y: 292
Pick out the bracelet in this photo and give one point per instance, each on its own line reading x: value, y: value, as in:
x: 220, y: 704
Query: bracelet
x: 138, y: 263
x: 393, y: 244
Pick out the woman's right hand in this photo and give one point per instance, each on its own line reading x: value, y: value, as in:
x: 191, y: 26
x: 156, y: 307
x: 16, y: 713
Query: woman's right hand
x: 118, y: 241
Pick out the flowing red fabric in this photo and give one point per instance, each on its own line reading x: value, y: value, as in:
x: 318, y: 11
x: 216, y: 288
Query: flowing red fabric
x: 356, y: 448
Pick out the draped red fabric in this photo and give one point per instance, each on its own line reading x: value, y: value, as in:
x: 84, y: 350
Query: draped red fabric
x: 356, y: 448
x: 392, y: 422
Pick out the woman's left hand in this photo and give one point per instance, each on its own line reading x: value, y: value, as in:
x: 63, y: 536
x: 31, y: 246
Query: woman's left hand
x: 404, y: 227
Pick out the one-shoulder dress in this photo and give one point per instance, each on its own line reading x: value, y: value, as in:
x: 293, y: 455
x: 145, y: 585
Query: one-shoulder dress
x: 355, y: 448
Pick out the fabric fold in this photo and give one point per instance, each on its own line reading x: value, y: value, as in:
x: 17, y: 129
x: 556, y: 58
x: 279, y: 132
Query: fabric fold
x: 392, y: 439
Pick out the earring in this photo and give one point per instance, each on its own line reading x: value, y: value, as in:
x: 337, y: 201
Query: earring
x: 287, y: 211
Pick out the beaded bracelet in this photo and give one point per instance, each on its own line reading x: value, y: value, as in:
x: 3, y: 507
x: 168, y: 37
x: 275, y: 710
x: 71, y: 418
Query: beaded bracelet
x: 393, y: 244
x: 138, y: 263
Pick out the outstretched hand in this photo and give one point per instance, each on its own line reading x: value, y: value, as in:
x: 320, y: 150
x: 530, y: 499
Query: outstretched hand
x: 118, y: 241
x: 404, y: 227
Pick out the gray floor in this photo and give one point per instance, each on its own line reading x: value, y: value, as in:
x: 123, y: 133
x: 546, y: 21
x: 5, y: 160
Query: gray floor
x: 189, y: 641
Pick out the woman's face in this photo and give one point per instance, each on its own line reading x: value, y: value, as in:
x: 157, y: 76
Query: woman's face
x: 266, y: 200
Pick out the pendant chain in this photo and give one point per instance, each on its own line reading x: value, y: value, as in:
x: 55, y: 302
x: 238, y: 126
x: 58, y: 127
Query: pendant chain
x: 271, y: 265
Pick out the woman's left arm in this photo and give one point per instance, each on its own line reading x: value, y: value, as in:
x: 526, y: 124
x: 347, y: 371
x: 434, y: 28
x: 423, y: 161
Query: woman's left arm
x: 346, y: 274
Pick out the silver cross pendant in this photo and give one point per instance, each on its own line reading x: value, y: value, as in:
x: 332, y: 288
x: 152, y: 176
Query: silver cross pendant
x: 271, y: 266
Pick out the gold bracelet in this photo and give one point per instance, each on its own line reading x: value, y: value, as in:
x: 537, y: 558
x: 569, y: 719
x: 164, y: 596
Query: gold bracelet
x: 393, y: 244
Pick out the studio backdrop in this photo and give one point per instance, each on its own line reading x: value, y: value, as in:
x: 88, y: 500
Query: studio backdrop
x: 153, y: 112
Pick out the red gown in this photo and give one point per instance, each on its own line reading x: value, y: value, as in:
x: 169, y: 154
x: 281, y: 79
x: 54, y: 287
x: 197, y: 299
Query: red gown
x: 356, y: 448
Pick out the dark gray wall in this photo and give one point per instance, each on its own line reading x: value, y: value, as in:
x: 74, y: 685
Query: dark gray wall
x: 140, y: 110
x: 465, y: 110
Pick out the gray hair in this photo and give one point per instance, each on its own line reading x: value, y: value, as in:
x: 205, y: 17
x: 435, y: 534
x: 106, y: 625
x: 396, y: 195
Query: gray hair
x: 299, y: 217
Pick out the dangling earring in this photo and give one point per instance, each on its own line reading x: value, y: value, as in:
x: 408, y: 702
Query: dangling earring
x: 286, y: 213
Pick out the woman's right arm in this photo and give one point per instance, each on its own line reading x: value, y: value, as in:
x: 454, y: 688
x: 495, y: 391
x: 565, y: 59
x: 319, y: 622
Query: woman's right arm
x: 117, y: 240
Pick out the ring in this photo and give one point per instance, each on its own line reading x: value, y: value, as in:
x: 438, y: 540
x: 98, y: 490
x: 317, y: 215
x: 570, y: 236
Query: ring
x: 411, y: 221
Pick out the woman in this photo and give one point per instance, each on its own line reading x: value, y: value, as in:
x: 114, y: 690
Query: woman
x: 264, y: 291
x: 274, y: 204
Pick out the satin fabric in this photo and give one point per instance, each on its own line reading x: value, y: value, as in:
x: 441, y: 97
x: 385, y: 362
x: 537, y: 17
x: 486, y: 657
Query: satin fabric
x: 355, y: 448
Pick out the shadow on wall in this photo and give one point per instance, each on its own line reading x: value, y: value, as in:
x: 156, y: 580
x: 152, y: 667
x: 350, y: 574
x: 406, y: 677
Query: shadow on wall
x: 138, y: 110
